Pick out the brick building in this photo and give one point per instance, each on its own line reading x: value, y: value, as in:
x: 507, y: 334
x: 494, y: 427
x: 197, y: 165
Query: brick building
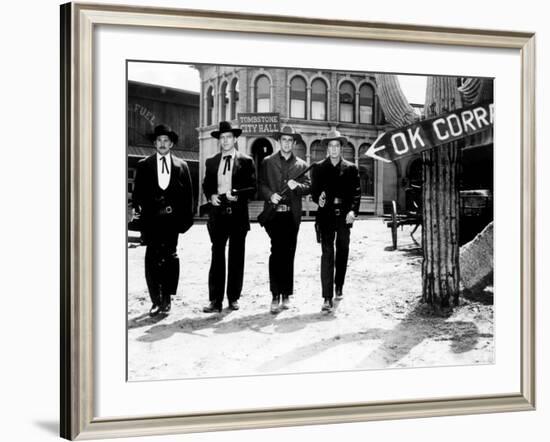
x: 313, y: 102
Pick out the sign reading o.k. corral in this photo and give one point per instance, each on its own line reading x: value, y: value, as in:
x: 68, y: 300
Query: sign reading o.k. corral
x: 427, y: 134
x: 259, y: 123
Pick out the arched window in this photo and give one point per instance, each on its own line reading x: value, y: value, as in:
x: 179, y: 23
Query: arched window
x: 263, y: 94
x: 300, y: 150
x: 298, y: 98
x: 318, y: 152
x: 347, y: 102
x: 235, y: 98
x: 224, y: 102
x: 348, y: 152
x: 318, y: 100
x: 366, y: 171
x: 366, y: 104
x: 210, y: 106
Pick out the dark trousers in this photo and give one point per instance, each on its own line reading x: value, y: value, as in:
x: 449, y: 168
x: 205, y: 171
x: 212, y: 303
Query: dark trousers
x: 333, y: 265
x: 223, y: 228
x: 162, y: 265
x: 283, y: 232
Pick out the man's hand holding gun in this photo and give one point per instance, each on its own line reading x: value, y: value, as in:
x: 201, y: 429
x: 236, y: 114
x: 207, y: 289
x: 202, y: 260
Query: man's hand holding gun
x: 350, y: 217
x: 276, y: 197
x: 224, y: 198
x: 228, y: 197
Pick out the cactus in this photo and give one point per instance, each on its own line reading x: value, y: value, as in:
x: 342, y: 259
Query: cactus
x: 440, y: 196
x: 440, y: 209
x: 396, y: 108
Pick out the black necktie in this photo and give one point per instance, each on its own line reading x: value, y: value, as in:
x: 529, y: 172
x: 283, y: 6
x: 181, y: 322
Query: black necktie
x: 227, y: 165
x: 164, y: 165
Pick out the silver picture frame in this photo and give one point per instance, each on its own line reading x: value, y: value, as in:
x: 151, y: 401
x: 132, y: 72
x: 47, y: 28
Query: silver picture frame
x: 78, y: 21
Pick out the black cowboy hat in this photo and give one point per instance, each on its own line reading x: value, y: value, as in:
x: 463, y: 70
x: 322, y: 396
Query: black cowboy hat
x: 225, y: 126
x: 288, y: 130
x: 334, y: 135
x: 161, y: 129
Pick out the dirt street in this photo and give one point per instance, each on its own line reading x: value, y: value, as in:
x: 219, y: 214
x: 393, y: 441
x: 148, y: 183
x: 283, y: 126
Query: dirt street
x: 380, y: 323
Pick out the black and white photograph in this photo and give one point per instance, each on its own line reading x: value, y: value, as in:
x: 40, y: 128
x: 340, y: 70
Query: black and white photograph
x: 276, y: 220
x: 284, y: 220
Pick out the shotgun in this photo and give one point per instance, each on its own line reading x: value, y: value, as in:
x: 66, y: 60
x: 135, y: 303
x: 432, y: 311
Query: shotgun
x: 234, y: 192
x: 225, y: 204
x: 269, y: 210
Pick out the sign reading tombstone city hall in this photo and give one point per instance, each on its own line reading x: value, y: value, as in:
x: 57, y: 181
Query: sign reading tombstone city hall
x: 259, y: 123
x: 427, y: 134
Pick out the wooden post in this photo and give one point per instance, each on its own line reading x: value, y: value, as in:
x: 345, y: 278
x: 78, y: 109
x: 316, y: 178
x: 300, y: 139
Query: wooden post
x: 440, y: 208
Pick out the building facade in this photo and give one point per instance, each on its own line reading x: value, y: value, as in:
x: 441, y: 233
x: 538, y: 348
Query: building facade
x: 313, y: 102
x: 261, y: 100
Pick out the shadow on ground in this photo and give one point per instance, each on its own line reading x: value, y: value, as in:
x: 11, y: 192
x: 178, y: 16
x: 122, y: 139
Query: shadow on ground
x: 255, y: 322
x: 396, y: 343
x: 145, y: 320
x: 482, y: 294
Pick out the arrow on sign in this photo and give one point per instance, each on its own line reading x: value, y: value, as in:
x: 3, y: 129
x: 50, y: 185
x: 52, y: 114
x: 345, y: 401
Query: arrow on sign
x: 371, y: 151
x: 427, y: 134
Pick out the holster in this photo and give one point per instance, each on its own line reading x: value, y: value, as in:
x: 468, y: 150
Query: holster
x: 266, y: 215
x: 318, y: 233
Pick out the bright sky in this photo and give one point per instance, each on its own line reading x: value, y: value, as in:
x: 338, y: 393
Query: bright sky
x: 182, y: 76
x: 414, y: 88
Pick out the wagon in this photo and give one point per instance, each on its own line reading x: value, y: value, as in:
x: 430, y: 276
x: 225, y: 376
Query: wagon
x: 476, y: 211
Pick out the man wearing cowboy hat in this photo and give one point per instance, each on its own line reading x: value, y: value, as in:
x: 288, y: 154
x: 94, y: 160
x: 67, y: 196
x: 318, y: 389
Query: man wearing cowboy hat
x: 163, y: 202
x: 277, y: 171
x: 335, y: 187
x: 226, y: 171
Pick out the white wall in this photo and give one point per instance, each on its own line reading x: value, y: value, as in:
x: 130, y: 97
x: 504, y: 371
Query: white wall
x: 29, y: 319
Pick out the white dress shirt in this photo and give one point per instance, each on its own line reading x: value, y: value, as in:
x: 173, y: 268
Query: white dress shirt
x: 224, y: 180
x: 164, y: 178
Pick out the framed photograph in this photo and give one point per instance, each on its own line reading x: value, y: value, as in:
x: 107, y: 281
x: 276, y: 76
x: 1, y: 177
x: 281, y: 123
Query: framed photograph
x: 274, y: 221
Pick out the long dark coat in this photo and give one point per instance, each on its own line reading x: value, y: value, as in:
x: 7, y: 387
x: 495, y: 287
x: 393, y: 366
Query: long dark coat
x: 243, y: 176
x: 347, y: 186
x: 149, y: 199
x: 270, y: 182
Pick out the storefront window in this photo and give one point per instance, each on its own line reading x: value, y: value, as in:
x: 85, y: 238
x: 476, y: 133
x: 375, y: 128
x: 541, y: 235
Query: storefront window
x: 366, y: 172
x: 300, y: 150
x: 318, y: 152
x: 348, y: 152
